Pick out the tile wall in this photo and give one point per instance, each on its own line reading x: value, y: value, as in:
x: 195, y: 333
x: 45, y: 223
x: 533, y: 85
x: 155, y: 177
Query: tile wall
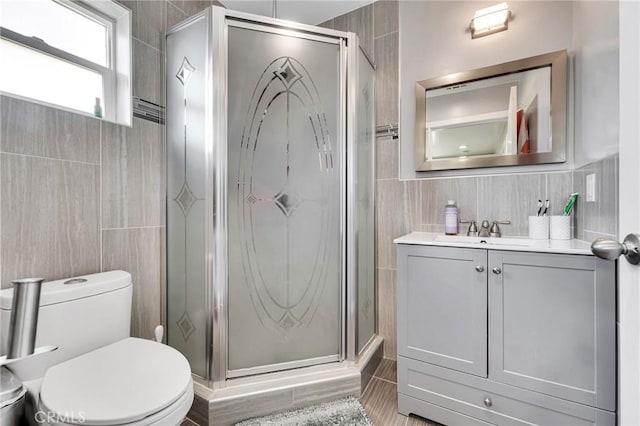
x: 79, y: 195
x: 598, y: 219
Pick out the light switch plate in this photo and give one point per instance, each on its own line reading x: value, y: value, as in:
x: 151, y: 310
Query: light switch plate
x: 591, y: 188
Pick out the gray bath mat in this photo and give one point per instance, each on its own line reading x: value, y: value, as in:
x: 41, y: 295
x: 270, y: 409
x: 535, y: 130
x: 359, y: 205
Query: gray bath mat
x: 343, y: 412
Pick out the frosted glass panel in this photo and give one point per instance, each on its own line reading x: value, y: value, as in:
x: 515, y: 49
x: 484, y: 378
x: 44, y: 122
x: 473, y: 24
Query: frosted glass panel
x: 47, y: 78
x: 58, y: 26
x: 186, y: 180
x: 365, y: 194
x: 284, y: 199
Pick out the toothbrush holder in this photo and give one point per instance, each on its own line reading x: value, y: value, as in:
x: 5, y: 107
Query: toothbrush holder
x: 560, y: 227
x: 539, y: 227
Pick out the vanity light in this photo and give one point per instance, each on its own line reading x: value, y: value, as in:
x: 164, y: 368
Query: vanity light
x: 490, y: 20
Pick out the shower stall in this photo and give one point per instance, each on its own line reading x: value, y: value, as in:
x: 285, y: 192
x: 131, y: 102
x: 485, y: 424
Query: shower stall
x: 270, y: 197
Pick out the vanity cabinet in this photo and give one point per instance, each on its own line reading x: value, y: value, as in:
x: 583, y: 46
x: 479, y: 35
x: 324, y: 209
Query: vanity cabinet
x: 506, y: 337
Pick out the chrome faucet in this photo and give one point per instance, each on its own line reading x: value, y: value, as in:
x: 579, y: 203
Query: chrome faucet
x: 473, y: 228
x: 485, y: 230
x: 495, y: 229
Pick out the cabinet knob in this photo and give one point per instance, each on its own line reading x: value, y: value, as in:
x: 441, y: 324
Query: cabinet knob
x: 480, y: 268
x: 487, y: 402
x: 497, y: 270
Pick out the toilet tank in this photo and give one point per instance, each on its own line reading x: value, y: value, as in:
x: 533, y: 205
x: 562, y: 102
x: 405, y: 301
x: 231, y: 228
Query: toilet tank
x: 78, y: 315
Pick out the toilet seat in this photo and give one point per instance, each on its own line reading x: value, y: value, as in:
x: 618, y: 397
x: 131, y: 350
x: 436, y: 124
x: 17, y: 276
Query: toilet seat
x: 132, y: 382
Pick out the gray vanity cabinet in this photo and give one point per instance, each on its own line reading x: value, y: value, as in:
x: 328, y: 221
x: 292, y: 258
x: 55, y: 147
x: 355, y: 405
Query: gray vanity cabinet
x: 443, y: 306
x: 552, y: 325
x: 546, y: 321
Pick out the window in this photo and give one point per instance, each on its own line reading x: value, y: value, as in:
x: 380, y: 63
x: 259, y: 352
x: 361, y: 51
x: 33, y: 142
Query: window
x: 69, y: 54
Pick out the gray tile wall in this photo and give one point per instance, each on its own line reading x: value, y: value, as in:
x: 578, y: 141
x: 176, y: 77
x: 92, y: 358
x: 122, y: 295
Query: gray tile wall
x: 79, y: 195
x: 600, y: 218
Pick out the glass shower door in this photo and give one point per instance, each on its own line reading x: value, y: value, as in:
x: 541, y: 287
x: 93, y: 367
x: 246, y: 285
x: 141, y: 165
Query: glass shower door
x: 285, y: 192
x: 187, y: 307
x: 365, y: 196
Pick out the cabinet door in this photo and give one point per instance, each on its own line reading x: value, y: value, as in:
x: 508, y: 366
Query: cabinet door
x: 552, y: 325
x: 442, y: 306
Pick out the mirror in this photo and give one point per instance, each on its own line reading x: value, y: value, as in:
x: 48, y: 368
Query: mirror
x: 503, y: 115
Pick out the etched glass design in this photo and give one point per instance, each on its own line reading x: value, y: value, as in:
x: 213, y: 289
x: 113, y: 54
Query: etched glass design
x: 186, y: 179
x: 284, y: 199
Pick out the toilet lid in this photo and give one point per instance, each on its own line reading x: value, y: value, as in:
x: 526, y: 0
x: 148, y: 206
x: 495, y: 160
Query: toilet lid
x: 119, y: 383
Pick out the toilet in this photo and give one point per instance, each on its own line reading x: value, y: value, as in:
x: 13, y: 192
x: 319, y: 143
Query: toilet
x: 98, y: 375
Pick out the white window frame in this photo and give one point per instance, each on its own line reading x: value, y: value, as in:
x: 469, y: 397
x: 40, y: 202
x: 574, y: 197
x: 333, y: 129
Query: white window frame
x: 116, y: 76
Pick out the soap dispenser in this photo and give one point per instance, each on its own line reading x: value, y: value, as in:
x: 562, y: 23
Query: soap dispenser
x: 451, y: 218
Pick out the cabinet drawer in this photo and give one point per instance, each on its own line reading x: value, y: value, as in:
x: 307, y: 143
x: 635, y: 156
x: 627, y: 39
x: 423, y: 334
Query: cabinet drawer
x: 466, y: 394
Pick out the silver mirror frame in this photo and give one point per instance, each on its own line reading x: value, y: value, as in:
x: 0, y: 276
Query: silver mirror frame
x: 558, y: 62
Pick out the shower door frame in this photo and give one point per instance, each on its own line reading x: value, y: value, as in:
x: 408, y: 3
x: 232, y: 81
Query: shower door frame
x: 216, y: 122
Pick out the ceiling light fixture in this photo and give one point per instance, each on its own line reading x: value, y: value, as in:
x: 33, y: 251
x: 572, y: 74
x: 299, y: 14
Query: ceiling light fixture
x: 490, y: 20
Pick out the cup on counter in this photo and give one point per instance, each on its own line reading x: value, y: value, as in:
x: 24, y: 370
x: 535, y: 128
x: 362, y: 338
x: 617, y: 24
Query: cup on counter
x: 560, y: 227
x: 539, y: 227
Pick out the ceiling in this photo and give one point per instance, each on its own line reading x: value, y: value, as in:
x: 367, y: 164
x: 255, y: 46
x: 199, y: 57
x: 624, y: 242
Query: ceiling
x: 311, y: 12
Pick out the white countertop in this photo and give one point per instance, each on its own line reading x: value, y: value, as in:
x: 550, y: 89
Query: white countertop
x: 539, y: 246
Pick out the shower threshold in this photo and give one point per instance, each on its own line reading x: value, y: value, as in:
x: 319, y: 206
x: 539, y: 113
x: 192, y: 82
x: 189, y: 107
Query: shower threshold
x: 260, y: 395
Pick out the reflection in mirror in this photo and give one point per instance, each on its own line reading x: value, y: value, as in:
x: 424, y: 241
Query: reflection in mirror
x: 507, y: 114
x: 479, y: 117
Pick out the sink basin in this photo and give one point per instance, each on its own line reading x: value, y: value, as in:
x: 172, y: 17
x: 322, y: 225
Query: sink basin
x: 486, y: 240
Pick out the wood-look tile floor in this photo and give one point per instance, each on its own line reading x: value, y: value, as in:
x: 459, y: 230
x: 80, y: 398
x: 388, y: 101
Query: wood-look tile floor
x: 380, y: 399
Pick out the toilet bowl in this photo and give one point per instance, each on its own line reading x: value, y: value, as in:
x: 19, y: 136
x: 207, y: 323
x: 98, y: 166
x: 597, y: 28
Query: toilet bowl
x: 99, y: 375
